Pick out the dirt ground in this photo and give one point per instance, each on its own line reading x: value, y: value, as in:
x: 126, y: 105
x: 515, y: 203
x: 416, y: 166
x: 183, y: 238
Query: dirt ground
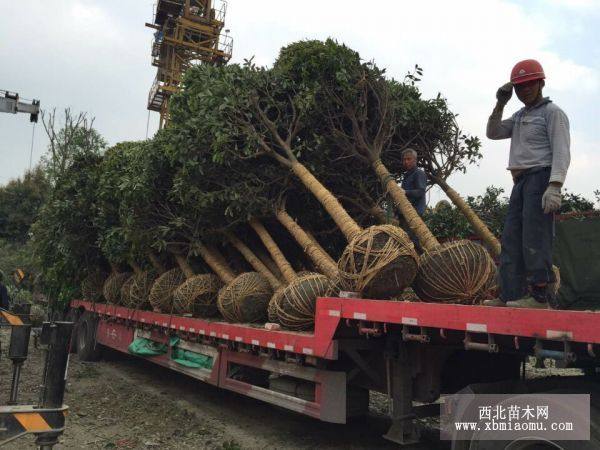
x: 123, y: 402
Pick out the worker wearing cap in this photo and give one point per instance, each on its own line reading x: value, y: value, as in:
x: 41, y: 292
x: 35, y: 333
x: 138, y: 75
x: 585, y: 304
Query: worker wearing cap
x: 538, y: 160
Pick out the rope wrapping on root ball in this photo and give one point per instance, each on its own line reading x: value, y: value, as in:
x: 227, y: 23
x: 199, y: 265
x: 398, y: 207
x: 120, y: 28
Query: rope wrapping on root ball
x: 491, y: 287
x: 245, y: 299
x: 274, y: 305
x: 161, y: 293
x: 140, y: 290
x: 198, y: 296
x: 296, y: 309
x: 379, y: 262
x: 126, y: 290
x: 453, y: 272
x: 112, y: 286
x: 92, y: 286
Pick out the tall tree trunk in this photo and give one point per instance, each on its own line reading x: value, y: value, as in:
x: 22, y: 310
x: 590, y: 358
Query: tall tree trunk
x: 184, y: 265
x: 480, y: 228
x: 416, y: 224
x: 160, y: 269
x: 284, y: 266
x: 345, y: 223
x: 214, y: 259
x: 315, y: 252
x: 253, y: 260
x: 268, y: 261
x: 320, y: 247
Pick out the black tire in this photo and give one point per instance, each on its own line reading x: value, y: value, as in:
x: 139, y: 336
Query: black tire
x: 537, y: 444
x: 88, y: 348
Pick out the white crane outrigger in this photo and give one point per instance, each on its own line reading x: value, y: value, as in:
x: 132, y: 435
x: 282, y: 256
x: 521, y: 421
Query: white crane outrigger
x: 10, y: 103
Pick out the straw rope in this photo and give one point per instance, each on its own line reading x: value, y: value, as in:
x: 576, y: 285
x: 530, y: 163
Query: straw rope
x: 198, y: 296
x: 345, y: 223
x: 161, y: 293
x: 256, y: 263
x: 245, y: 299
x: 454, y: 272
x: 379, y: 263
x: 140, y: 290
x: 315, y: 252
x: 416, y: 224
x: 296, y: 307
x: 92, y: 286
x: 112, y: 286
x: 126, y: 290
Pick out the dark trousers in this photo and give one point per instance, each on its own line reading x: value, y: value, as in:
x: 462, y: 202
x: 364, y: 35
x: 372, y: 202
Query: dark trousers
x: 526, y: 257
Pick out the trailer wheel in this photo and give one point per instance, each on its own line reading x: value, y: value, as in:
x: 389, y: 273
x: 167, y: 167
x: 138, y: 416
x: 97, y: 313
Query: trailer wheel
x: 87, y: 347
x: 536, y: 443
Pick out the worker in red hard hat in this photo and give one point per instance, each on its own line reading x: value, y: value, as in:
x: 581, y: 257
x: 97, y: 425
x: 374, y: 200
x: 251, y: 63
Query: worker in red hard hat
x: 538, y: 161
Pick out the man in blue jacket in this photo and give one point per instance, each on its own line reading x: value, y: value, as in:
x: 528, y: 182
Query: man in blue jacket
x: 538, y: 161
x: 414, y: 183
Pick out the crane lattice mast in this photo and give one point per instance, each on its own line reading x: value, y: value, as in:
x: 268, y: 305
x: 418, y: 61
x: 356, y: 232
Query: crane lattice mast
x: 187, y: 32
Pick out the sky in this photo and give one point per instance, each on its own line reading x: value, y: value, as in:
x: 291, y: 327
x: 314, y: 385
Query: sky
x: 94, y: 56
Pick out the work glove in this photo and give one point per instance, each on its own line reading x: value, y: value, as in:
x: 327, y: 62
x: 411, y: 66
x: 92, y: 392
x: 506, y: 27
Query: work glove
x: 504, y: 93
x: 551, y: 199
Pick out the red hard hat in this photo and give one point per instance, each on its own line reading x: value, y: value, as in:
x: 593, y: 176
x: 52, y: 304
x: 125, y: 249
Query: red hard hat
x: 527, y: 70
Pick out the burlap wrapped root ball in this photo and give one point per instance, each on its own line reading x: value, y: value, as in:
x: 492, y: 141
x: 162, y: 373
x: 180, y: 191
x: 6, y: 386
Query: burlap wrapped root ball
x: 379, y: 262
x: 92, y: 286
x: 112, y: 286
x: 245, y: 299
x: 454, y: 272
x: 161, y: 293
x: 140, y: 289
x: 296, y: 309
x: 198, y: 296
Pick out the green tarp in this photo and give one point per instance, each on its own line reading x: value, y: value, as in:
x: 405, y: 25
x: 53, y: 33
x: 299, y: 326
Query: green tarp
x: 577, y: 254
x: 146, y: 347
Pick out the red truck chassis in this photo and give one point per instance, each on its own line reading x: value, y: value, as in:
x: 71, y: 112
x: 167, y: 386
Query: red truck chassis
x: 409, y: 351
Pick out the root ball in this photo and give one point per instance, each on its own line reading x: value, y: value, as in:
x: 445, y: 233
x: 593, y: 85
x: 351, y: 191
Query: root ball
x: 454, y: 272
x: 140, y: 290
x: 296, y: 309
x: 161, y: 293
x: 245, y: 299
x: 112, y: 287
x: 198, y: 296
x: 379, y: 262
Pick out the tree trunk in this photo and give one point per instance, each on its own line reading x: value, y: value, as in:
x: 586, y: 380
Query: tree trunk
x: 416, y: 224
x: 480, y: 228
x: 214, y: 259
x: 253, y: 260
x: 156, y: 263
x: 284, y: 266
x: 268, y: 261
x: 345, y: 223
x: 184, y: 266
x: 321, y: 260
x: 321, y: 249
x: 136, y: 268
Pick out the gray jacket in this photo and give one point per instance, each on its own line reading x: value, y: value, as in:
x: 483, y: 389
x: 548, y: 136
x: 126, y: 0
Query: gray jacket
x: 539, y: 138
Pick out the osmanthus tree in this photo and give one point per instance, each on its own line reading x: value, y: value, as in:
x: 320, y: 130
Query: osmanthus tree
x: 371, y: 119
x: 267, y: 116
x: 65, y: 237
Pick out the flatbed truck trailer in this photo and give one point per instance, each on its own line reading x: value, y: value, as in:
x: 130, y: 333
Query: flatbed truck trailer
x: 413, y: 352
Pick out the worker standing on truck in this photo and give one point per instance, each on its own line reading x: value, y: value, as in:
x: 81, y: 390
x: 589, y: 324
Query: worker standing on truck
x: 414, y: 183
x: 538, y: 161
